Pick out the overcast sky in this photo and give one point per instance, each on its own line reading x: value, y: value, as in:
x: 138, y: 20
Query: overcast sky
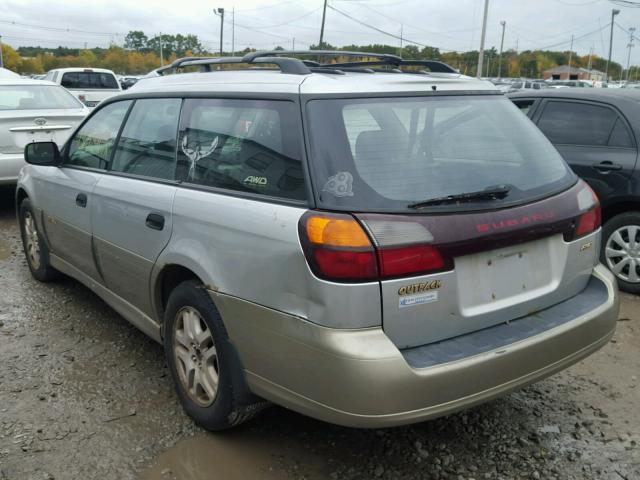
x: 449, y: 25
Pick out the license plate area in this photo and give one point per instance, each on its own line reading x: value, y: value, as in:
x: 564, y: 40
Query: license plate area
x: 505, y: 277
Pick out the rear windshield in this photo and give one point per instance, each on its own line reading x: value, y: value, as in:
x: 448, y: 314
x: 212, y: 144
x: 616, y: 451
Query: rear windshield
x: 384, y: 154
x: 89, y: 80
x: 36, y: 97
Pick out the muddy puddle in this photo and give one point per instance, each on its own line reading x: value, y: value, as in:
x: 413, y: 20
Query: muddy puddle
x: 236, y: 456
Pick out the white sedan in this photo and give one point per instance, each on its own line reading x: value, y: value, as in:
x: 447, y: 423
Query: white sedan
x: 33, y: 111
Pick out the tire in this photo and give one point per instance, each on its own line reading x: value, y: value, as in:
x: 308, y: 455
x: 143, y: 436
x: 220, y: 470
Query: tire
x: 35, y: 248
x: 197, y: 349
x: 616, y: 235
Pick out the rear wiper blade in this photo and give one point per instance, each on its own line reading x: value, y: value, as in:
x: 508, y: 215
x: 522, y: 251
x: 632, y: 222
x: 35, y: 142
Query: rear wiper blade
x: 492, y: 193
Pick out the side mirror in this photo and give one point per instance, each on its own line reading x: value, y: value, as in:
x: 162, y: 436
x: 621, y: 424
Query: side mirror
x: 42, y: 153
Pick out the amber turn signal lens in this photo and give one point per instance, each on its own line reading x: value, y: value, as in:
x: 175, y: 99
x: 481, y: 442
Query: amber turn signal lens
x: 336, y: 232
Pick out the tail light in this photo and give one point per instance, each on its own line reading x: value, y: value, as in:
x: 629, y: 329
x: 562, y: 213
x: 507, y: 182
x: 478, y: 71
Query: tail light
x: 591, y: 220
x: 338, y: 248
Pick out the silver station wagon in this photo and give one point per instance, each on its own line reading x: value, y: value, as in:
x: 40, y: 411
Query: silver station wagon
x: 371, y: 243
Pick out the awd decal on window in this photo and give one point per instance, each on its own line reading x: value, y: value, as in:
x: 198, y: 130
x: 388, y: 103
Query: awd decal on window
x: 253, y: 180
x: 418, y: 293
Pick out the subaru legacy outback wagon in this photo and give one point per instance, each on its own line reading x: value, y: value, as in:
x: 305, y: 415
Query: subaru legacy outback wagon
x: 371, y: 243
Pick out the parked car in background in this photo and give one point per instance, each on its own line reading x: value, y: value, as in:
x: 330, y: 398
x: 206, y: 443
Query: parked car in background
x: 523, y: 85
x: 89, y: 85
x: 570, y: 83
x: 340, y: 241
x: 33, y: 111
x: 597, y: 132
x: 127, y: 82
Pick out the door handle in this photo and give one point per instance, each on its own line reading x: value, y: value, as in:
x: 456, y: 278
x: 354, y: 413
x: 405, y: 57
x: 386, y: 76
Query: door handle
x: 607, y: 166
x: 81, y: 200
x: 155, y: 221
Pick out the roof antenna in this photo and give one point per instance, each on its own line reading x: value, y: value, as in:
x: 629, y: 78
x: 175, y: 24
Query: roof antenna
x: 434, y: 87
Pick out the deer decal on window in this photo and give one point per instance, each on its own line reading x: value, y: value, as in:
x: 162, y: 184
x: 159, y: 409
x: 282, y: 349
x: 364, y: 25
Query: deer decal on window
x: 196, y: 154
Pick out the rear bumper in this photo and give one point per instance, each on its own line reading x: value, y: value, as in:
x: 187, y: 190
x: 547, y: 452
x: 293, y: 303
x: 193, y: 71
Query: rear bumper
x: 10, y: 165
x: 359, y: 378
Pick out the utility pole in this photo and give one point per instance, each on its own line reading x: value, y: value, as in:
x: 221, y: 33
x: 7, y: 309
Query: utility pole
x: 1, y: 59
x: 220, y: 13
x: 614, y: 12
x: 504, y: 24
x: 161, y: 56
x: 324, y: 15
x: 482, y: 38
x: 293, y: 44
x: 233, y: 32
x: 570, y: 55
x: 590, y: 57
x: 401, y: 33
x: 630, y: 46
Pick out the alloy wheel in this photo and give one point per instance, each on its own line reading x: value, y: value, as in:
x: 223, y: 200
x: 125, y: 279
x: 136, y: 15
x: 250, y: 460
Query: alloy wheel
x: 196, y: 356
x: 32, y: 245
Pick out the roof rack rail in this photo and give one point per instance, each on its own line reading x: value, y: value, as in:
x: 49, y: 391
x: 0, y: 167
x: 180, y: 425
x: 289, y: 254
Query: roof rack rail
x: 304, y: 67
x: 286, y: 65
x: 321, y: 53
x: 433, y: 65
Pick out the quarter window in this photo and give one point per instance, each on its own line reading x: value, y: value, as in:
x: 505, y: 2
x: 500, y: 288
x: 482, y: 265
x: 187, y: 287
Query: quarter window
x: 620, y: 136
x: 93, y: 144
x: 147, y: 145
x: 573, y: 123
x: 250, y: 146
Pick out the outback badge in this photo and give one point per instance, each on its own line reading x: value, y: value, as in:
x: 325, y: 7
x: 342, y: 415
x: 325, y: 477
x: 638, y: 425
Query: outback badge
x: 419, y: 287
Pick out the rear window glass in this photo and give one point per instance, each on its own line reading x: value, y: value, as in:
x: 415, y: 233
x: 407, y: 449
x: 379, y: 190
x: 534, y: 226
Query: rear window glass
x: 574, y: 123
x: 36, y: 97
x: 89, y: 80
x: 242, y: 145
x: 384, y: 154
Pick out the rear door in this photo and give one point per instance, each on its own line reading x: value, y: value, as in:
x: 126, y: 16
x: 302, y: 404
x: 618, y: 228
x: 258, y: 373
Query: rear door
x: 595, y: 140
x: 132, y: 218
x: 66, y: 193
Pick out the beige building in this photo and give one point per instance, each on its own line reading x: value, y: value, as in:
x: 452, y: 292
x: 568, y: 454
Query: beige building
x: 575, y: 73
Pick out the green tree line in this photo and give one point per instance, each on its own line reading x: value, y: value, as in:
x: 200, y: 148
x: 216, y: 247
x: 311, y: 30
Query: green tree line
x: 141, y: 53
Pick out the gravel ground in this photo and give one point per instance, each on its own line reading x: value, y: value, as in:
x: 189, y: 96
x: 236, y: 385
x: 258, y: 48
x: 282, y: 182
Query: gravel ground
x: 84, y: 395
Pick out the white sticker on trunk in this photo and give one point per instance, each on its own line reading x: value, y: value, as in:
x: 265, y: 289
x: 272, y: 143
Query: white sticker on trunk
x: 417, y: 299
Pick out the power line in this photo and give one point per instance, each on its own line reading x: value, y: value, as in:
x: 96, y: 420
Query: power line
x: 58, y: 29
x: 379, y: 30
x: 288, y: 22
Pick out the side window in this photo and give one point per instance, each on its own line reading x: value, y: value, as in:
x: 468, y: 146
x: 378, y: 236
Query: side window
x: 524, y: 105
x: 147, y: 145
x: 620, y: 136
x: 251, y: 146
x: 93, y: 144
x: 573, y: 123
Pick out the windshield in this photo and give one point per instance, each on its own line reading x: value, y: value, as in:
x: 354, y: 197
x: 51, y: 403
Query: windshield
x: 385, y: 154
x: 36, y: 97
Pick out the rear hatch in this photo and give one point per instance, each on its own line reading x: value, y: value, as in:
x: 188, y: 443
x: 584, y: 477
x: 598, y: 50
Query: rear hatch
x: 473, y: 216
x: 20, y: 127
x: 493, y: 267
